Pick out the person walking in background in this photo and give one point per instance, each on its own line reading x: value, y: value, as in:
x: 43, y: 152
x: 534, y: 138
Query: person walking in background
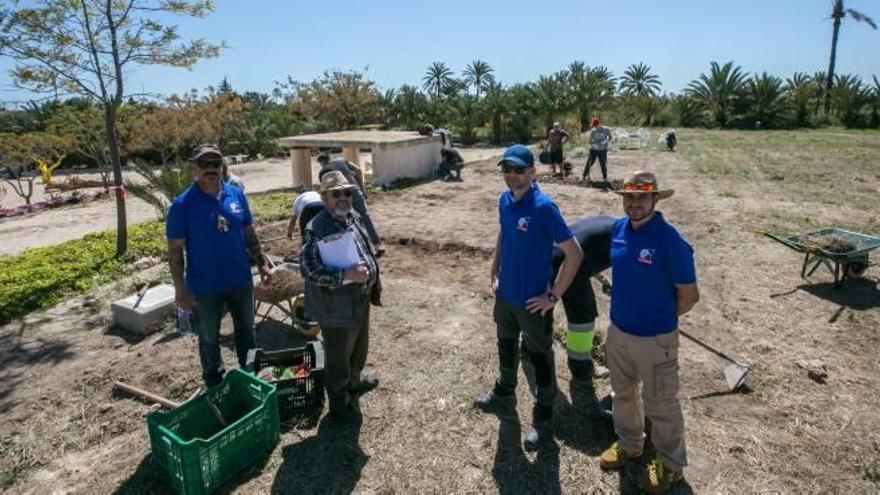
x: 600, y: 140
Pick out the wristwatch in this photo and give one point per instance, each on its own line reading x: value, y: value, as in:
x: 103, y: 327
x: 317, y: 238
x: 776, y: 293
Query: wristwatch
x: 553, y: 297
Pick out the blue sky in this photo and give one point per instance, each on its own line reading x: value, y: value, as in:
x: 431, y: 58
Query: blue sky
x: 396, y: 40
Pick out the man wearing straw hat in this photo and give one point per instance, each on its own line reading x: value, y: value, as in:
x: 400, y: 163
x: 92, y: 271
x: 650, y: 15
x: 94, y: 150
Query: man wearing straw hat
x: 653, y: 283
x: 339, y: 266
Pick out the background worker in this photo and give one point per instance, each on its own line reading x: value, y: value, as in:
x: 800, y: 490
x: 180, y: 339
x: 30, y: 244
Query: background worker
x: 556, y: 139
x: 593, y: 233
x: 305, y: 207
x: 600, y: 140
x: 450, y: 165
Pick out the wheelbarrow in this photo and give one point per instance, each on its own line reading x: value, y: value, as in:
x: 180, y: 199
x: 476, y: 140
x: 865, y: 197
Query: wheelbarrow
x: 284, y: 292
x: 844, y: 253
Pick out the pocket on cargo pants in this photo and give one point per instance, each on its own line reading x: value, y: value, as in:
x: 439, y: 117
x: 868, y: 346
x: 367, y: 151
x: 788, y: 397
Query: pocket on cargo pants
x: 666, y: 380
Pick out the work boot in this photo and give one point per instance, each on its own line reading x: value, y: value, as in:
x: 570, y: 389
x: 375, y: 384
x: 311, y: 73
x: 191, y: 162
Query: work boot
x: 540, y: 432
x: 367, y: 382
x: 496, y: 400
x: 615, y: 457
x: 658, y: 478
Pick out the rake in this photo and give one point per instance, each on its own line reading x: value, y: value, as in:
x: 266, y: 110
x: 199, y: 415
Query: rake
x: 734, y: 373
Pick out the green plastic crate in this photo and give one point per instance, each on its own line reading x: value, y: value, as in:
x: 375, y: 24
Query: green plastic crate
x: 191, y: 449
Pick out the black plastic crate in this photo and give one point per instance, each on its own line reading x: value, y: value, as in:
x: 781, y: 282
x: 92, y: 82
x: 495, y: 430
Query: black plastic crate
x: 300, y: 394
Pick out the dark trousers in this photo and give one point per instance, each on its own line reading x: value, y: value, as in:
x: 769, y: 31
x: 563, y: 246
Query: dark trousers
x: 537, y: 333
x: 346, y: 353
x: 207, y: 316
x: 602, y: 155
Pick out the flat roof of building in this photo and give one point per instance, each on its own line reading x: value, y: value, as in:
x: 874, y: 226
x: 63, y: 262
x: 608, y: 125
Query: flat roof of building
x: 357, y: 139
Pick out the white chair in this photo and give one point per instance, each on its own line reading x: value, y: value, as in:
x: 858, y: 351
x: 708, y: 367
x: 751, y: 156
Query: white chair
x: 644, y: 137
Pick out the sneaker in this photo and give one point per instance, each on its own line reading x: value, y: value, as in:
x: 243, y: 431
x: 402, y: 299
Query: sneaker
x: 495, y: 400
x: 615, y: 457
x: 658, y: 478
x: 539, y: 434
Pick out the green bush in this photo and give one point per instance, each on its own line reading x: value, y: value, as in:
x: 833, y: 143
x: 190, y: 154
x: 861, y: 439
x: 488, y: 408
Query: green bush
x: 41, y: 277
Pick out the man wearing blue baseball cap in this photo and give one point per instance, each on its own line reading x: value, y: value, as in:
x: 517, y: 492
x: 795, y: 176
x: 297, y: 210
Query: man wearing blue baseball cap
x: 525, y: 291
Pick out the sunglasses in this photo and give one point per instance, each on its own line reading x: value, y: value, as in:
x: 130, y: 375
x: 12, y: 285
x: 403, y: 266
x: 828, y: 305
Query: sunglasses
x: 209, y: 163
x: 338, y: 193
x: 639, y: 187
x: 510, y: 169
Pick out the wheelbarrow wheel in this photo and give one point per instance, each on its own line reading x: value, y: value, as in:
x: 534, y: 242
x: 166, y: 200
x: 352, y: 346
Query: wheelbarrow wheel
x: 856, y: 269
x: 310, y: 329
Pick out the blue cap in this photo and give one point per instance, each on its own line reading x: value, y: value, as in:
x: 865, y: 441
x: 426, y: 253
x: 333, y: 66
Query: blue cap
x: 518, y: 155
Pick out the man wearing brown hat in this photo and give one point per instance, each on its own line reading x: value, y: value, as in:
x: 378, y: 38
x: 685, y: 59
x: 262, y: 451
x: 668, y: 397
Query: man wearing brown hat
x: 339, y: 266
x: 653, y: 283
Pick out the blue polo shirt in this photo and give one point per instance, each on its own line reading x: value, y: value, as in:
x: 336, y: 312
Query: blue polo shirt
x: 646, y: 264
x: 216, y: 258
x: 529, y: 228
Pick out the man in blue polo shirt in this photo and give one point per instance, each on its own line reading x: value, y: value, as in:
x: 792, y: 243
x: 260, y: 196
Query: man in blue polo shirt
x: 525, y: 291
x: 211, y: 222
x: 654, y: 282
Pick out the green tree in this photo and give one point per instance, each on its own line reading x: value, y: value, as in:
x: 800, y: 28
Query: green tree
x: 24, y: 157
x: 720, y: 92
x: 589, y: 89
x: 767, y: 102
x: 159, y: 189
x: 437, y: 79
x: 85, y: 47
x: 849, y: 96
x: 800, y: 89
x: 495, y: 106
x: 411, y: 105
x: 838, y: 12
x: 637, y: 80
x: 479, y: 75
x: 339, y: 99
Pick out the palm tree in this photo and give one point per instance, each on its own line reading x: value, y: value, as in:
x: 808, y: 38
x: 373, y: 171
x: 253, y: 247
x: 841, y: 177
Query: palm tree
x: 159, y: 189
x: 799, y: 89
x: 588, y: 90
x: 549, y: 96
x: 719, y: 92
x: 638, y: 81
x: 767, y: 101
x: 437, y: 79
x: 849, y: 95
x: 410, y: 105
x: 495, y: 105
x: 479, y: 75
x: 838, y: 12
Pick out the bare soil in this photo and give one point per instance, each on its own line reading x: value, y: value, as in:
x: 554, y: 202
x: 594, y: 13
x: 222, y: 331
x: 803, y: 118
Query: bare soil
x: 433, y: 347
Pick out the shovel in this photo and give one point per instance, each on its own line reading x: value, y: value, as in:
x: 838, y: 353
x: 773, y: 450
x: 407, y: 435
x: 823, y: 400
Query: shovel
x: 734, y: 373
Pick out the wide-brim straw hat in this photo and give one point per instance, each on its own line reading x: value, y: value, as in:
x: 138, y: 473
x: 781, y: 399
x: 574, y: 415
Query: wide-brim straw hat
x: 334, y: 181
x: 643, y: 182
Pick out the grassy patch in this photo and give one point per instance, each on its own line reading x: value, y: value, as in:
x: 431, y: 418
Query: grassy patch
x: 41, y: 277
x: 870, y: 466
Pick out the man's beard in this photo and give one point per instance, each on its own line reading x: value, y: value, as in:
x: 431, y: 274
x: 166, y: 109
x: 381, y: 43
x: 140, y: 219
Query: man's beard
x: 342, y: 211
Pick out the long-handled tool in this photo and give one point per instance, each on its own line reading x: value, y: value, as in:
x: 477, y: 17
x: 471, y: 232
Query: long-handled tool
x: 734, y: 373
x: 158, y: 399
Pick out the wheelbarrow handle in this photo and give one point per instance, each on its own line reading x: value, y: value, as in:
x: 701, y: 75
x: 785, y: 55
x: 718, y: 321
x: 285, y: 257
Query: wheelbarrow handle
x: 709, y: 348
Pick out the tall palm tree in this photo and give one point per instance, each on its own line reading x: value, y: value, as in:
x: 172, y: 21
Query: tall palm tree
x: 637, y: 80
x: 479, y: 75
x: 588, y: 90
x: 549, y: 97
x: 720, y: 91
x: 437, y: 78
x: 838, y: 12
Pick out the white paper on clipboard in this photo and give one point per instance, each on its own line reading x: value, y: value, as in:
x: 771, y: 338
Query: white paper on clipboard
x: 339, y: 251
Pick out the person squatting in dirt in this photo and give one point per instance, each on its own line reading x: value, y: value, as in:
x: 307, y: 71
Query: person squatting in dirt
x: 211, y: 222
x: 653, y: 283
x: 525, y: 291
x: 339, y: 298
x: 600, y: 140
x: 450, y: 165
x: 354, y: 176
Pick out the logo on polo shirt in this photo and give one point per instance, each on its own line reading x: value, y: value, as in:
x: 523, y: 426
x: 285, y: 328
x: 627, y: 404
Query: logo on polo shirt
x: 646, y: 256
x: 523, y: 224
x: 235, y: 208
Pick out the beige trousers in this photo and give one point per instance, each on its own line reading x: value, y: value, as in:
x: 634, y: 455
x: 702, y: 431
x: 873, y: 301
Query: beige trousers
x: 653, y: 362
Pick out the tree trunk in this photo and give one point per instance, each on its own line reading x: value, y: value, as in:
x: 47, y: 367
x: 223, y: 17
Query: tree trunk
x: 115, y: 161
x: 829, y: 81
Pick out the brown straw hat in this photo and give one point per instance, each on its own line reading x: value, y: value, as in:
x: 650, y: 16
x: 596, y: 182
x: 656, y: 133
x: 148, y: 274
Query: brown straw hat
x: 644, y: 183
x: 334, y: 180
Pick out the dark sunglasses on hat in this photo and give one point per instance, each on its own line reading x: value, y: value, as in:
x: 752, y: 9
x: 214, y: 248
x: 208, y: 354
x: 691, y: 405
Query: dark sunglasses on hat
x: 511, y: 169
x: 210, y: 163
x: 337, y: 193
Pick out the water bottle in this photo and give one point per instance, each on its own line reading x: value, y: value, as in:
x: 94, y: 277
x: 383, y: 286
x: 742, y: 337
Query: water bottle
x: 184, y: 322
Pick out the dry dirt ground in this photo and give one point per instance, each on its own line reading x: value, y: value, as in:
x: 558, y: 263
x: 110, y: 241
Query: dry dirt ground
x: 64, y: 430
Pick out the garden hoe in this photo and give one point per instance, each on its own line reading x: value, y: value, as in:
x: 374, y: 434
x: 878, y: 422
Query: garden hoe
x: 734, y: 373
